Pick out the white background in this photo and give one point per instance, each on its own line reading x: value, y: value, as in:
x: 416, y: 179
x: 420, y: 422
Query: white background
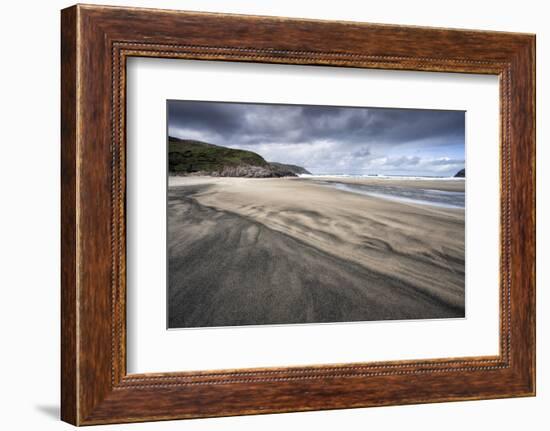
x: 29, y: 227
x: 151, y: 348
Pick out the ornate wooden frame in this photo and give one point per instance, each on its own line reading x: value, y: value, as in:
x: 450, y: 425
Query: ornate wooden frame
x: 95, y: 42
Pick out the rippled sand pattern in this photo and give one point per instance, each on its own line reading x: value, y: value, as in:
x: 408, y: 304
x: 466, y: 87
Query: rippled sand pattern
x: 291, y: 250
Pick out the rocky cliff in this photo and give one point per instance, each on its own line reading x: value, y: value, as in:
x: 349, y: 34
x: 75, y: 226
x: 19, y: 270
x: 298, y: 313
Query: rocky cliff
x: 461, y: 173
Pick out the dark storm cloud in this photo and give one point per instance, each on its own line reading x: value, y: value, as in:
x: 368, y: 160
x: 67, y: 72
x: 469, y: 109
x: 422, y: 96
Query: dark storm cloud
x: 252, y: 124
x: 211, y: 116
x: 365, y: 136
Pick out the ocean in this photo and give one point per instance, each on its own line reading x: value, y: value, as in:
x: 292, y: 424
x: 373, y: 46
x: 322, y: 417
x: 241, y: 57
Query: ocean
x: 389, y: 191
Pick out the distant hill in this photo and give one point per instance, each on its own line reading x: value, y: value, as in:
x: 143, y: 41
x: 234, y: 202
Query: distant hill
x: 461, y: 173
x: 292, y: 168
x: 189, y: 157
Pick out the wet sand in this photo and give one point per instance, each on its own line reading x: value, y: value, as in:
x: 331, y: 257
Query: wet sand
x: 277, y: 251
x: 450, y: 184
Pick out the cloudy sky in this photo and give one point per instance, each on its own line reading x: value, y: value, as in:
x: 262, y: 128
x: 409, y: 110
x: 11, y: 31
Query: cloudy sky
x: 330, y: 140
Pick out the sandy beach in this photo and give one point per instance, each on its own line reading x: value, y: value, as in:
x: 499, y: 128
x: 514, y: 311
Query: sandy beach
x: 249, y: 251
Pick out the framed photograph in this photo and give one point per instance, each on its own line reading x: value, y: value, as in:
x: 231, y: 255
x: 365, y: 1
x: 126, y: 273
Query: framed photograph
x: 349, y: 237
x: 263, y: 214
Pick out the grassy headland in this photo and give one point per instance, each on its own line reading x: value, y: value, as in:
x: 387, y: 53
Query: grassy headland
x: 189, y: 157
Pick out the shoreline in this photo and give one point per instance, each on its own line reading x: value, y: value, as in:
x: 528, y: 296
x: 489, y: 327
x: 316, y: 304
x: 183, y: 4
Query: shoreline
x: 443, y: 184
x: 451, y: 184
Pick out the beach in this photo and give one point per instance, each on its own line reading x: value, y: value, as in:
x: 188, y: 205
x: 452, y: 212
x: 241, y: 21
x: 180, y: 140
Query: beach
x: 252, y: 251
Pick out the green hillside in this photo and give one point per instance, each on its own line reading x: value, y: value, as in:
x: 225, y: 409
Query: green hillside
x: 194, y: 156
x: 188, y: 157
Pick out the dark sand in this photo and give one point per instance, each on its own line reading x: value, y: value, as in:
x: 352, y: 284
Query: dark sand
x: 230, y: 267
